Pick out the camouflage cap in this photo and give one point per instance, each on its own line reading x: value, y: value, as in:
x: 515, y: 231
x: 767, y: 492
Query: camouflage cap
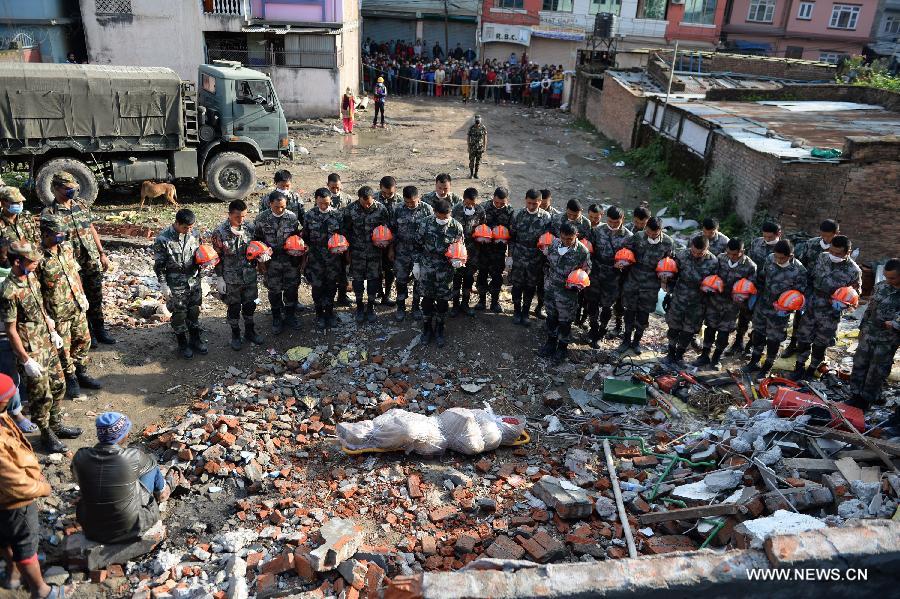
x: 23, y: 249
x: 63, y: 179
x: 11, y: 195
x: 51, y: 224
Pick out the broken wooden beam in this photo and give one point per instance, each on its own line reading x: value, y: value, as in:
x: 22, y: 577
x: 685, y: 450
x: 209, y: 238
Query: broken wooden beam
x: 692, y: 513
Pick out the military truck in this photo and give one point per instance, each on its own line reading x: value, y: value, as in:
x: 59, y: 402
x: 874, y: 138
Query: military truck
x: 119, y: 124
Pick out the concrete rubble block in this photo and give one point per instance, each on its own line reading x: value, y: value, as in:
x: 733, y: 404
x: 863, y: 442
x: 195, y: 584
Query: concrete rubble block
x: 753, y: 533
x: 343, y: 538
x: 872, y: 543
x: 697, y: 491
x: 505, y: 548
x: 98, y: 555
x: 569, y: 501
x: 802, y: 498
x: 354, y: 572
x: 723, y: 480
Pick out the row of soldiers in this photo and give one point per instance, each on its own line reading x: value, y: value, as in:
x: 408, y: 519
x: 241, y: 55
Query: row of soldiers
x: 51, y: 303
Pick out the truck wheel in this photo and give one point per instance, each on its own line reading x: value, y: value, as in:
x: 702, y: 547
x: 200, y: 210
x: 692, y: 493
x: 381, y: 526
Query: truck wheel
x: 230, y: 176
x: 87, y: 181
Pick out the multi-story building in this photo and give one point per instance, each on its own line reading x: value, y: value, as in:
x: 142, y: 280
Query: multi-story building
x: 40, y: 31
x: 310, y: 48
x: 824, y: 30
x: 886, y: 34
x: 385, y: 21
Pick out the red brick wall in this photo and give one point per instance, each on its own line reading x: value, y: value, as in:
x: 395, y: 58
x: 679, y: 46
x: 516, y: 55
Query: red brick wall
x: 614, y: 110
x: 764, y: 66
x: 755, y: 175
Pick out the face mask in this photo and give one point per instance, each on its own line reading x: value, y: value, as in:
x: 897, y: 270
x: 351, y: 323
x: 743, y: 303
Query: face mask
x: 785, y: 265
x: 652, y: 241
x: 16, y: 208
x: 468, y: 211
x: 71, y: 193
x: 773, y: 242
x: 836, y: 259
x: 531, y: 211
x: 733, y: 264
x: 824, y: 245
x: 236, y: 230
x: 279, y: 215
x: 562, y: 250
x: 440, y: 195
x: 326, y: 209
x: 442, y: 221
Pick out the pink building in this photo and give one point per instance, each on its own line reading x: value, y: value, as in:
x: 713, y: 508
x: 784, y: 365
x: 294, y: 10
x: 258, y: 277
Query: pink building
x: 810, y: 29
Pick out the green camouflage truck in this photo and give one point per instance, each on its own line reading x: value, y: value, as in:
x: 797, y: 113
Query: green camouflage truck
x: 111, y: 125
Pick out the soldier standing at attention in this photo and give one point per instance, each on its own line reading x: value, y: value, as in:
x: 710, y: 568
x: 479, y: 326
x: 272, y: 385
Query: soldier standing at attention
x: 87, y: 247
x: 469, y: 214
x: 405, y: 225
x: 237, y: 283
x: 493, y: 256
x: 759, y: 250
x: 282, y: 272
x: 879, y: 338
x: 639, y: 218
x: 528, y: 225
x: 606, y: 280
x: 564, y: 256
x: 546, y: 205
x: 688, y: 302
x: 434, y: 269
x: 717, y: 240
x: 477, y: 139
x: 283, y: 186
x: 442, y: 191
x: 34, y: 341
x: 641, y: 288
x: 360, y: 219
x: 388, y: 196
x: 339, y: 201
x: 16, y: 223
x: 176, y: 268
x: 66, y: 303
x: 574, y: 216
x: 323, y: 267
x: 832, y: 270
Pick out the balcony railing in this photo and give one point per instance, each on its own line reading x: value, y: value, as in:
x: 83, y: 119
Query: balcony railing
x: 627, y: 26
x: 226, y: 7
x: 268, y: 58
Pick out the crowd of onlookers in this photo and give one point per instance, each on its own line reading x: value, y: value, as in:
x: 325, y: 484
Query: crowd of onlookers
x: 417, y: 69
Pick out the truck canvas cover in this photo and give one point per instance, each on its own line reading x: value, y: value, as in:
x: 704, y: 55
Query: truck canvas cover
x: 63, y: 102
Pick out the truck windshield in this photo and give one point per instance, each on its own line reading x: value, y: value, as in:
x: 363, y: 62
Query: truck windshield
x: 254, y: 92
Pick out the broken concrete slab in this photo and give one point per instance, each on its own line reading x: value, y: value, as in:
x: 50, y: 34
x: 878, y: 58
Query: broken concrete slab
x: 753, y: 533
x: 568, y: 500
x: 723, y: 480
x: 98, y: 555
x: 343, y: 538
x: 697, y: 491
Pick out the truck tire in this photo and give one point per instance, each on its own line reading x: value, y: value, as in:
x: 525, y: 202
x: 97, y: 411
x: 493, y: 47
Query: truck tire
x: 230, y: 176
x: 87, y: 181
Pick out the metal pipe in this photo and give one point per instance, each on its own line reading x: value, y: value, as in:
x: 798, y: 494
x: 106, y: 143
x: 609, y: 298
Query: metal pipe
x: 623, y: 515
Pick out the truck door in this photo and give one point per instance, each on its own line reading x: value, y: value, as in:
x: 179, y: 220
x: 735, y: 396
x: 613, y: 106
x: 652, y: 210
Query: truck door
x: 256, y: 113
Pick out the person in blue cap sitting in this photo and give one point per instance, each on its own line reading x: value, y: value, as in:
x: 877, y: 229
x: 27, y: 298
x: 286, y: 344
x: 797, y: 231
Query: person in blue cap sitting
x: 121, y: 487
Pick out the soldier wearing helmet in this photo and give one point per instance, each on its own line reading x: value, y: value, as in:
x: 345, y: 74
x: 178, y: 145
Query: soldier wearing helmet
x: 760, y: 248
x: 477, y: 142
x: 16, y: 223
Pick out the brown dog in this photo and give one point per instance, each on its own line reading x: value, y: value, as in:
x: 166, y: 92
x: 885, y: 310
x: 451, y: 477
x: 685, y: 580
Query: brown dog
x: 150, y: 190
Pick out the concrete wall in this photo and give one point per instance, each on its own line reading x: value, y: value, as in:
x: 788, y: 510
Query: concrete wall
x: 763, y: 66
x: 549, y: 51
x: 321, y: 91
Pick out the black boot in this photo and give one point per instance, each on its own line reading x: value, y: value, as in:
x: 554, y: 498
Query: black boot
x: 370, y: 312
x: 330, y: 320
x: 527, y: 296
x: 99, y: 332
x: 197, y: 342
x: 709, y: 337
x: 386, y: 294
x: 495, y: 303
x: 427, y: 330
x: 561, y: 353
x: 617, y: 328
x: 290, y: 317
x: 401, y: 310
x: 476, y: 172
x: 549, y: 348
x: 715, y: 362
x: 236, y: 338
x: 66, y: 432
x: 771, y: 354
x: 703, y: 359
x: 277, y: 321
x: 342, y: 299
x: 737, y: 348
x: 85, y: 380
x: 755, y: 355
x: 594, y: 336
x: 817, y: 359
x: 625, y: 345
x: 439, y: 333
x: 791, y: 349
x: 183, y: 347
x: 482, y: 301
x: 320, y: 318
x: 670, y: 358
x: 466, y: 298
x: 636, y: 346
x: 72, y: 388
x: 51, y: 442
x: 416, y: 307
x: 360, y: 315
x: 250, y: 333
x: 455, y: 310
x: 517, y: 305
x: 539, y: 309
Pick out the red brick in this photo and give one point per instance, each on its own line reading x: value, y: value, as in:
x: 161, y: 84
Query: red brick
x: 484, y: 465
x: 644, y: 461
x: 429, y: 545
x: 505, y: 548
x: 266, y: 582
x: 302, y: 565
x: 280, y: 564
x: 465, y: 544
x: 98, y: 576
x: 669, y: 543
x: 443, y: 513
x: 224, y: 439
x: 414, y: 486
x: 534, y: 549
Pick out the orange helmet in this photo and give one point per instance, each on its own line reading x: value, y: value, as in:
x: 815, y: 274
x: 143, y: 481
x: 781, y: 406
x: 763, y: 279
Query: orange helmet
x: 742, y: 290
x: 500, y: 234
x: 457, y: 253
x: 381, y: 236
x: 337, y: 244
x: 624, y: 257
x: 482, y: 234
x: 578, y: 279
x: 545, y: 241
x: 295, y: 246
x: 790, y: 301
x: 587, y: 245
x: 255, y: 249
x: 666, y: 268
x: 713, y: 284
x: 845, y: 297
x: 206, y: 256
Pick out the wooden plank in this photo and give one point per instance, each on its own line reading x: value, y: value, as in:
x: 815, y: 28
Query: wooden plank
x: 870, y: 474
x: 692, y: 513
x: 830, y: 433
x: 810, y: 464
x: 849, y: 468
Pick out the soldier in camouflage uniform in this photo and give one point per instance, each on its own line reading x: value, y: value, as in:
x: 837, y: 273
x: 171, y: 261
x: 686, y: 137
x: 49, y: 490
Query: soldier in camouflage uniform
x: 760, y: 248
x: 546, y: 204
x: 528, y: 224
x: 339, y: 201
x: 688, y: 302
x: 360, y: 219
x: 283, y: 187
x: 66, y: 303
x: 640, y: 290
x: 879, y: 338
x: 564, y: 256
x: 435, y: 270
x: 175, y: 265
x: 469, y: 214
x: 442, y: 191
x: 87, y: 247
x: 477, y: 139
x: 405, y: 226
x: 721, y: 309
x: 779, y: 273
x: 282, y: 272
x: 492, y: 258
x: 818, y: 327
x: 573, y: 215
x: 238, y: 281
x: 387, y: 196
x: 323, y: 268
x: 16, y: 223
x: 34, y: 341
x: 717, y: 240
x: 606, y: 280
x: 639, y: 218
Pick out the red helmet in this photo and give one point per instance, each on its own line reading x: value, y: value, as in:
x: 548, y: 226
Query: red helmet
x: 713, y: 284
x: 845, y: 297
x: 666, y: 268
x: 457, y: 253
x: 500, y: 234
x: 578, y: 279
x: 381, y: 236
x: 587, y: 245
x: 255, y: 249
x: 295, y: 246
x: 545, y: 241
x: 742, y: 290
x: 206, y: 256
x: 482, y: 234
x: 624, y: 257
x: 337, y: 244
x: 790, y: 301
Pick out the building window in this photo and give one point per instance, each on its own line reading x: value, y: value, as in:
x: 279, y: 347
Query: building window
x: 610, y: 6
x: 515, y: 4
x: 113, y: 7
x: 844, y: 16
x: 793, y: 52
x: 652, y: 9
x: 891, y: 25
x: 804, y: 13
x: 831, y: 57
x: 699, y: 12
x: 761, y: 11
x: 558, y: 5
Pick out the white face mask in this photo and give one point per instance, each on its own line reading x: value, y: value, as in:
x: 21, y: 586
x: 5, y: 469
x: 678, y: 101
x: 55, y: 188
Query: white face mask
x: 236, y: 230
x: 531, y: 211
x: 785, y: 265
x: 442, y: 221
x: 468, y: 211
x: 652, y: 241
x: 773, y: 242
x: 836, y: 259
x: 327, y: 208
x: 442, y: 196
x: 279, y: 215
x: 824, y: 245
x: 562, y: 250
x: 733, y: 264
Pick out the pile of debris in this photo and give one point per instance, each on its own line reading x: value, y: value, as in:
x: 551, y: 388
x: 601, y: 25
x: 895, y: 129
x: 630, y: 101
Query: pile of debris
x: 131, y: 295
